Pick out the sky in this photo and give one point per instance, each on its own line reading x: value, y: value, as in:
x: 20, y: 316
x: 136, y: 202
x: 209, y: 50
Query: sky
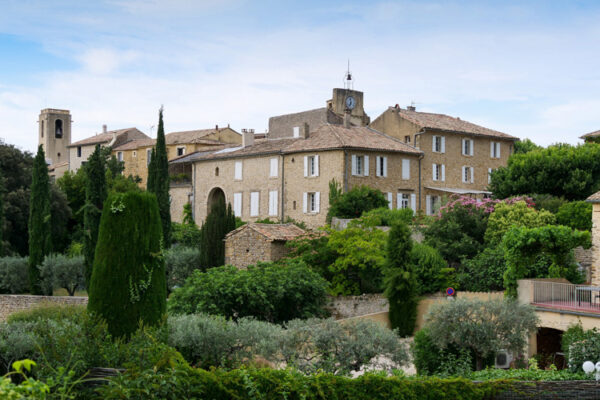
x: 527, y: 68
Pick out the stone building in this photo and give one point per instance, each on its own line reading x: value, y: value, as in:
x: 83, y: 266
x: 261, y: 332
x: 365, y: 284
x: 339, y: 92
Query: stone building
x: 595, y: 269
x: 253, y: 242
x: 591, y: 137
x: 458, y: 156
x: 289, y: 177
x: 54, y: 134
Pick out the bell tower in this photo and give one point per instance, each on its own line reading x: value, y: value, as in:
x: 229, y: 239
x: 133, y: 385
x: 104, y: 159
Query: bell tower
x: 55, y: 134
x: 348, y: 100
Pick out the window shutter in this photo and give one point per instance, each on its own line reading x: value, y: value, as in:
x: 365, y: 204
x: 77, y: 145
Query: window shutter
x: 254, y: 203
x: 316, y: 165
x: 305, y: 166
x: 463, y: 174
x: 390, y: 200
x: 296, y: 131
x: 377, y: 164
x: 353, y: 164
x: 385, y: 167
x: 472, y: 176
x: 237, y: 204
x: 443, y: 173
x: 366, y: 166
x: 305, y: 202
x: 405, y: 169
x: 443, y: 144
x: 273, y: 202
x: 274, y: 166
x: 428, y: 205
x: 433, y: 143
x: 413, y: 202
x: 317, y: 201
x: 498, y: 149
x: 471, y: 148
x: 463, y: 147
x: 492, y: 149
x: 238, y: 170
x: 433, y: 170
x: 489, y: 175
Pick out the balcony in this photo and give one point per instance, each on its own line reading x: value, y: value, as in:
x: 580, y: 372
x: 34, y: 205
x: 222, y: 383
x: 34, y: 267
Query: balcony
x: 551, y: 295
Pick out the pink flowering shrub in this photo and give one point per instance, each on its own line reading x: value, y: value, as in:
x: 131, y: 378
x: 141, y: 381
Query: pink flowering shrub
x: 487, y: 205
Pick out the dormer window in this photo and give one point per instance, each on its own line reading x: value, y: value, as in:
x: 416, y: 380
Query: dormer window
x: 58, y: 128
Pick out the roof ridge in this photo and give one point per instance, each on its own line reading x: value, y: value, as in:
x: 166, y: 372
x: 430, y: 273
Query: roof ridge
x: 393, y: 138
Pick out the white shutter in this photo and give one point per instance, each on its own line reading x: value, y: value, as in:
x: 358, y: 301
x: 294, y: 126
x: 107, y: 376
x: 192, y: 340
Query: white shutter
x: 463, y: 147
x: 498, y: 149
x: 385, y: 167
x: 443, y: 144
x: 273, y: 202
x: 366, y: 166
x: 405, y: 169
x: 237, y: 204
x: 273, y: 169
x: 390, y: 200
x: 433, y: 170
x: 492, y: 149
x: 317, y: 201
x: 238, y: 170
x: 489, y: 175
x: 296, y: 131
x: 472, y: 176
x: 428, y: 205
x: 353, y: 164
x: 433, y: 143
x: 471, y: 147
x: 398, y: 200
x: 443, y: 173
x: 254, y: 203
x: 305, y: 166
x: 305, y: 202
x: 413, y: 202
x: 316, y: 166
x: 377, y: 164
x: 463, y: 174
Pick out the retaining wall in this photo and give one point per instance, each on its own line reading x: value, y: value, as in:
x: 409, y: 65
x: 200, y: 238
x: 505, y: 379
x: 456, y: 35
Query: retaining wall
x: 11, y: 303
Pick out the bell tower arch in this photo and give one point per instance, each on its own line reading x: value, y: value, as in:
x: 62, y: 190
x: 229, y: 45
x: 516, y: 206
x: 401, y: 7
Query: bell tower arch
x: 55, y: 134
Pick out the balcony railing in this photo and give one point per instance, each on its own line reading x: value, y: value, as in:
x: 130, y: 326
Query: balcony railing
x: 564, y: 296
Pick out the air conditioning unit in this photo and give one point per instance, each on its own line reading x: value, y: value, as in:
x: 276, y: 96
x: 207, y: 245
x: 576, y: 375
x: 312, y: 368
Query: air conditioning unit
x: 503, y: 359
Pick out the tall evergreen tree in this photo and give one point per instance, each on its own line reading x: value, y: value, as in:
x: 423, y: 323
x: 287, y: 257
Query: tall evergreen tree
x: 158, y: 179
x: 40, y: 243
x: 400, y: 281
x: 1, y: 215
x: 95, y: 194
x: 219, y: 222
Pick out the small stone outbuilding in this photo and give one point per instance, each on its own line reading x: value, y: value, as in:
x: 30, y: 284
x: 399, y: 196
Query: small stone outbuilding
x: 254, y: 242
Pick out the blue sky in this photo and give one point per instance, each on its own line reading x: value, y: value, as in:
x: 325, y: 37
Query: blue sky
x: 528, y: 68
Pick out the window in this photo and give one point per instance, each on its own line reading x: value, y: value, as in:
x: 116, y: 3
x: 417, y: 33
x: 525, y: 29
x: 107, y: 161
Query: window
x: 217, y: 171
x: 438, y: 144
x: 119, y: 156
x: 407, y: 139
x: 296, y: 131
x: 254, y: 203
x: 490, y: 175
x: 467, y: 174
x: 237, y: 174
x: 134, y: 154
x: 467, y: 147
x: 495, y: 149
x: 58, y: 128
x: 360, y: 165
x: 439, y: 172
x: 148, y: 156
x: 273, y: 202
x: 237, y: 204
x: 432, y: 204
x: 405, y: 169
x: 403, y: 200
x: 381, y: 167
x: 390, y: 200
x: 78, y: 151
x: 311, y: 166
x: 311, y: 202
x: 180, y: 151
x: 42, y: 128
x: 273, y: 167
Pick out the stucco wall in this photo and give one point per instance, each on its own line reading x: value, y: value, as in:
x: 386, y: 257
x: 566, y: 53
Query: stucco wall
x: 180, y: 195
x: 74, y: 161
x: 10, y: 304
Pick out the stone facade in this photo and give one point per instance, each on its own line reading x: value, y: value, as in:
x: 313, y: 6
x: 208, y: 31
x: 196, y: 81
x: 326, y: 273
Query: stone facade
x: 342, y: 307
x: 55, y: 134
x: 180, y: 196
x: 10, y: 304
x: 595, y: 269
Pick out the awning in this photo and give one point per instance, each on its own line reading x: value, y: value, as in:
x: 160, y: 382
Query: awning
x: 458, y: 191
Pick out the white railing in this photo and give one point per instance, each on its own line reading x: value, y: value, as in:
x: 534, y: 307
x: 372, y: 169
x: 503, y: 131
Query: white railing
x: 566, y: 295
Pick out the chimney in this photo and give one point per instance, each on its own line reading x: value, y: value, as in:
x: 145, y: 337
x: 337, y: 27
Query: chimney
x: 217, y: 128
x: 347, y: 120
x: 305, y: 131
x: 104, y: 128
x: 247, y: 137
x: 411, y: 108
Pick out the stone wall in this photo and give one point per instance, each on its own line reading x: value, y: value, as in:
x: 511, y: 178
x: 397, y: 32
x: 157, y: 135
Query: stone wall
x: 585, y: 258
x: 10, y: 304
x: 180, y: 196
x: 595, y: 275
x: 246, y: 248
x: 342, y: 307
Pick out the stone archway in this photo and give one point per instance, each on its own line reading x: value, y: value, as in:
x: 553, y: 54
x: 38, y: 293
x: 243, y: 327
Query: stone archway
x: 215, y: 196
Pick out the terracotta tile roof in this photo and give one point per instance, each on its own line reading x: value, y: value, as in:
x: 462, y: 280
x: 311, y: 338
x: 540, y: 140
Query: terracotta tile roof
x: 447, y: 123
x: 595, y: 198
x: 591, y: 134
x: 260, y: 147
x: 271, y: 231
x: 193, y: 136
x: 328, y: 137
x: 102, y: 137
x: 135, y: 144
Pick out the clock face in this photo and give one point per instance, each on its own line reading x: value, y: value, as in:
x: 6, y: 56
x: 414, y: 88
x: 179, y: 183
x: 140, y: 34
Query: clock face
x: 350, y: 102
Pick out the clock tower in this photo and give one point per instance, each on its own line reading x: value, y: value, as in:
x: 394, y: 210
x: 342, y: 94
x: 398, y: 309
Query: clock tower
x: 348, y: 100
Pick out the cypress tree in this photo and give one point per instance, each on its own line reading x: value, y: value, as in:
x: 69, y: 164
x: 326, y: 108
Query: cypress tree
x: 128, y: 279
x: 160, y: 182
x: 400, y: 281
x: 219, y: 222
x: 40, y: 243
x: 95, y: 194
x: 1, y: 215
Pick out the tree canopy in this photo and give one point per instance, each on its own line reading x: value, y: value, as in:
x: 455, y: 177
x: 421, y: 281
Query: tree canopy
x: 356, y: 201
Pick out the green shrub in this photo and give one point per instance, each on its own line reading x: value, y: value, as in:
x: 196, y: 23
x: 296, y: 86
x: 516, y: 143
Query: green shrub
x: 548, y: 202
x: 356, y: 201
x: 527, y: 375
x: 13, y: 275
x: 58, y: 271
x: 128, y: 280
x: 484, y: 272
x: 269, y: 292
x: 186, y: 235
x: 507, y: 216
x: 576, y: 215
x: 581, y: 346
x: 385, y: 217
x: 75, y: 313
x: 431, y: 270
x: 313, y: 249
x: 180, y: 262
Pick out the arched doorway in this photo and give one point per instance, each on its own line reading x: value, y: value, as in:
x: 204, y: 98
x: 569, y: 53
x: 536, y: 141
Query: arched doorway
x: 215, y: 196
x: 549, y: 347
